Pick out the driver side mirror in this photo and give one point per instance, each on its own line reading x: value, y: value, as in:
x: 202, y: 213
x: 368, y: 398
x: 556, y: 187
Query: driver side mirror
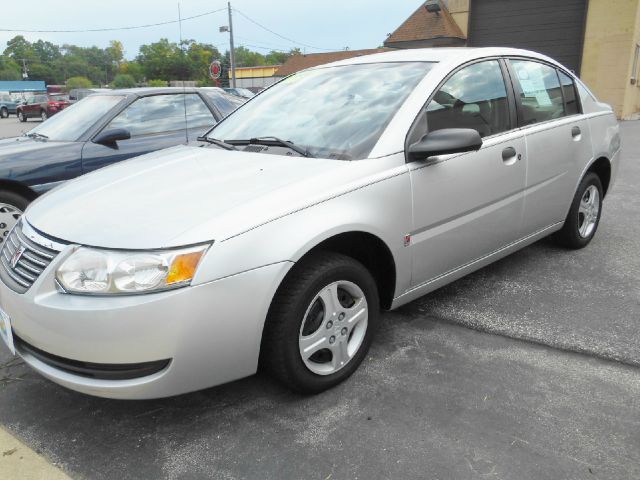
x: 111, y: 136
x: 446, y: 141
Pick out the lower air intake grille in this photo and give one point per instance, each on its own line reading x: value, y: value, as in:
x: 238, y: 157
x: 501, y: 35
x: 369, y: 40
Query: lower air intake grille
x: 24, y: 257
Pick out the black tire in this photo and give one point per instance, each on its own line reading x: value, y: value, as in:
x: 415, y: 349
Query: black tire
x: 569, y: 236
x: 43, y: 115
x: 279, y: 353
x: 4, y: 113
x: 14, y: 199
x: 21, y: 116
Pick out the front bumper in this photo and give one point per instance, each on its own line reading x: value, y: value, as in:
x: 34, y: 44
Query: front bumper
x: 210, y: 333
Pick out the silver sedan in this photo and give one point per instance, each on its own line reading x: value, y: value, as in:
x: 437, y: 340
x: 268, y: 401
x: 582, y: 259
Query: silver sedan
x: 339, y: 192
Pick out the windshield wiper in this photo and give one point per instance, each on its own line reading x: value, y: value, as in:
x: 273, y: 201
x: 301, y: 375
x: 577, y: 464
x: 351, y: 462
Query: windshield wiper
x: 218, y: 143
x: 272, y: 141
x: 36, y: 135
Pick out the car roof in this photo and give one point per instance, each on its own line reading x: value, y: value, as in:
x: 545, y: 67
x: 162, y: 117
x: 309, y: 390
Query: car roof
x: 453, y: 55
x: 144, y: 91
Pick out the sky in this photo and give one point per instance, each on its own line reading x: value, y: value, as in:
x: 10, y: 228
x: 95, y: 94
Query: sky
x: 313, y: 26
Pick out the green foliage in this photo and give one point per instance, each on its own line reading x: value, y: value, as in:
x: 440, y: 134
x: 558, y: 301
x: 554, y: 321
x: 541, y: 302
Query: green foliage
x: 9, y: 70
x: 78, y: 82
x: 123, y: 80
x: 163, y: 59
x: 157, y: 83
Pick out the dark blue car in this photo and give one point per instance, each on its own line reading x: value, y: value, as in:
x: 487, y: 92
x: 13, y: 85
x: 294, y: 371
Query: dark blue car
x: 99, y: 130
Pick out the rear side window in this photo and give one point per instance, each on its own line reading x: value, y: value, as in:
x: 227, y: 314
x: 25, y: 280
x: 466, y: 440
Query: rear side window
x: 474, y: 97
x: 540, y: 93
x: 569, y: 91
x: 224, y: 103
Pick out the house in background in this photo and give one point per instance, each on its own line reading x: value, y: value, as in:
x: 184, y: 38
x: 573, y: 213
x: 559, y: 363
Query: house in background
x: 431, y: 25
x: 255, y: 77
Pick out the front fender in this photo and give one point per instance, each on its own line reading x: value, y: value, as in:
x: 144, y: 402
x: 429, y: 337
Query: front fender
x: 382, y: 209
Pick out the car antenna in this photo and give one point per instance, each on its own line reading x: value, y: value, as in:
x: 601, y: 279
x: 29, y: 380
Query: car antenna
x: 184, y: 88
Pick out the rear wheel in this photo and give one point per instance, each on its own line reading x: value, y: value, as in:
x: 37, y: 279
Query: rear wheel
x: 11, y: 207
x: 4, y: 113
x: 321, y: 323
x: 584, y: 215
x: 21, y: 116
x: 43, y: 115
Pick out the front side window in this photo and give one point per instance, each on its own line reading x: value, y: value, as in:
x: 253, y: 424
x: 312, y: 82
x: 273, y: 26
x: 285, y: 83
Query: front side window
x: 474, y: 97
x: 163, y: 113
x: 72, y: 122
x: 540, y: 93
x: 333, y: 112
x: 569, y: 92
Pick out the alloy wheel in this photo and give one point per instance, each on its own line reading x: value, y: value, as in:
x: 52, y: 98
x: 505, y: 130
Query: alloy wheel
x: 333, y: 327
x: 588, y: 211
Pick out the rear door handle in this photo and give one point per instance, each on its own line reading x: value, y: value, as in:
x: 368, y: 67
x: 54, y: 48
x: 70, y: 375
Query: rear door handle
x: 575, y: 132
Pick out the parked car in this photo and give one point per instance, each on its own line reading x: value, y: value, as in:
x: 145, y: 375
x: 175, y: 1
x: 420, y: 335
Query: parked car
x: 79, y: 93
x: 42, y: 106
x: 7, y: 105
x: 240, y: 92
x: 340, y: 191
x: 102, y: 129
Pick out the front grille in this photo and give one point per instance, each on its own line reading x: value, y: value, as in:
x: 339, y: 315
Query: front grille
x: 24, y: 257
x: 99, y: 371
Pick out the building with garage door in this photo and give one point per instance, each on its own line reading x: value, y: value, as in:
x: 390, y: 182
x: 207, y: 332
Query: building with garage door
x: 597, y: 39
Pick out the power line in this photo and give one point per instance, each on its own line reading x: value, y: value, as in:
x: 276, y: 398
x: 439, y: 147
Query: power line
x: 282, y: 36
x: 134, y: 27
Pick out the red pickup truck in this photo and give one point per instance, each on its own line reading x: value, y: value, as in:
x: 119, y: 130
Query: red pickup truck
x: 42, y: 106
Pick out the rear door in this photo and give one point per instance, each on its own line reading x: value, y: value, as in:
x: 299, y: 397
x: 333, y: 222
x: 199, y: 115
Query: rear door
x: 469, y: 205
x: 558, y: 140
x: 154, y: 122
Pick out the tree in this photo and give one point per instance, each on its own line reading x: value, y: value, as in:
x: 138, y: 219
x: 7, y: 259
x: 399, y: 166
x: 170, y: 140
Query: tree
x: 9, y: 70
x: 123, y: 80
x: 78, y: 82
x: 157, y: 83
x: 116, y: 52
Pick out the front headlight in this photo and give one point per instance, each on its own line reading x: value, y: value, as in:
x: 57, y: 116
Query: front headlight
x: 104, y: 272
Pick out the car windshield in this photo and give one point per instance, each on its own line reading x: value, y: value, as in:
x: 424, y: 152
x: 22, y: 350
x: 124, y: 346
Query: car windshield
x: 70, y: 123
x: 333, y: 112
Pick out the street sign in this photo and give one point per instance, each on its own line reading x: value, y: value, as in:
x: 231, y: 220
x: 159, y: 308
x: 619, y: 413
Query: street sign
x: 215, y: 70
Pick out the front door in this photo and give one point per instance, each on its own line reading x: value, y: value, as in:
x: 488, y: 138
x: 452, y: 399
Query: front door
x: 469, y: 205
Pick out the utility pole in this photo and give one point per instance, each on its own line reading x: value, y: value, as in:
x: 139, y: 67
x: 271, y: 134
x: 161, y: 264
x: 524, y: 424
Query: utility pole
x: 233, y: 55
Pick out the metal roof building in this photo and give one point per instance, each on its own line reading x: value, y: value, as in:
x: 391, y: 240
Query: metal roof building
x: 23, y: 86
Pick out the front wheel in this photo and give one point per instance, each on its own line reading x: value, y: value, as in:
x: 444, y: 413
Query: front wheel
x: 321, y: 323
x: 4, y: 113
x: 21, y: 116
x: 43, y: 115
x: 11, y: 207
x: 584, y: 215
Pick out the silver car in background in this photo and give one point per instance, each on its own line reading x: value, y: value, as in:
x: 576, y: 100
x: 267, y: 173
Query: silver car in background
x: 341, y: 191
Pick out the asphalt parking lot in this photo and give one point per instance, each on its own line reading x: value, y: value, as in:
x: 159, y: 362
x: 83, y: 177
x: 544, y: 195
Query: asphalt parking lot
x: 544, y: 385
x: 12, y: 127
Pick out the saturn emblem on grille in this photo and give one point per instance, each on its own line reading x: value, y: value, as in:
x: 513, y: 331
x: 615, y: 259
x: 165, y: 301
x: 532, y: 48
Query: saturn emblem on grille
x: 17, y: 255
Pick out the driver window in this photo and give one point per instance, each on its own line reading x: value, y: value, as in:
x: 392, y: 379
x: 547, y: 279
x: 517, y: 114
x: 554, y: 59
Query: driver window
x: 474, y: 97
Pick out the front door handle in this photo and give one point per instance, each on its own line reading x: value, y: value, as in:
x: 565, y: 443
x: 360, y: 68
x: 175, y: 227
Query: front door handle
x: 509, y: 155
x: 575, y: 132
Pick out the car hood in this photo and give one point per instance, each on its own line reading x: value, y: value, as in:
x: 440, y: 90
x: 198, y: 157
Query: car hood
x: 19, y: 145
x: 187, y: 195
